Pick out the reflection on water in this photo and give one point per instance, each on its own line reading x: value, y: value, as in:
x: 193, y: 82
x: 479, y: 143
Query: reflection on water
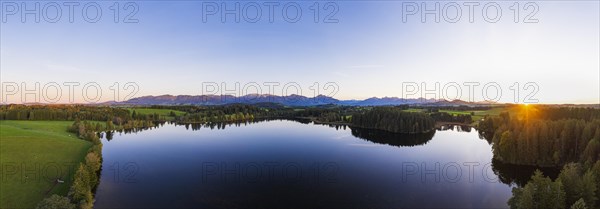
x: 393, y: 139
x: 459, y: 128
x: 286, y: 163
x: 110, y: 134
x: 520, y: 174
x: 223, y: 125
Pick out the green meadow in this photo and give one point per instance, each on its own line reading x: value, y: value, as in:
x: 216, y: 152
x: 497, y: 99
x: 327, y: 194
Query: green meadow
x: 33, y: 154
x: 478, y: 114
x: 162, y: 112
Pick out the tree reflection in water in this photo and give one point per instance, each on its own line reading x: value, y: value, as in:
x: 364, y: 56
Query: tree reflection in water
x: 507, y: 173
x: 458, y: 128
x: 393, y: 139
x: 520, y: 174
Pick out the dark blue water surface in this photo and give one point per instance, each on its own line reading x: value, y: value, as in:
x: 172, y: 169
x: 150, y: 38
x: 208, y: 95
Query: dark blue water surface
x: 287, y: 164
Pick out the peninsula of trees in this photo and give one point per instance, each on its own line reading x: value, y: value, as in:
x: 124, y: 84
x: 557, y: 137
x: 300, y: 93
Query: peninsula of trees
x: 394, y: 120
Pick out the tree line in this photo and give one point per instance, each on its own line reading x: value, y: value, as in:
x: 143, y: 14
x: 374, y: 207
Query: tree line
x: 394, y: 120
x: 576, y: 187
x: 327, y: 113
x: 215, y: 116
x: 86, y: 177
x: 221, y: 113
x: 453, y: 118
x: 62, y: 112
x: 550, y: 136
x: 457, y: 108
x: 545, y: 136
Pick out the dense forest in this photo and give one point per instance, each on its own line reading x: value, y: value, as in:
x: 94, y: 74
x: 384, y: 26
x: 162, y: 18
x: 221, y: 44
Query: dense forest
x: 545, y: 136
x: 576, y: 187
x: 127, y: 117
x: 537, y: 135
x: 394, y: 120
x: 549, y: 136
x: 452, y: 118
x: 62, y: 112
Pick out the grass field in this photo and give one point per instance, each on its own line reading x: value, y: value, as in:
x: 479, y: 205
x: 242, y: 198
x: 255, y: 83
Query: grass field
x: 414, y: 110
x: 161, y: 112
x: 479, y: 114
x: 494, y: 111
x: 33, y: 154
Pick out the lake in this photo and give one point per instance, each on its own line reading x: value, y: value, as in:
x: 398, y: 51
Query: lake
x: 284, y: 163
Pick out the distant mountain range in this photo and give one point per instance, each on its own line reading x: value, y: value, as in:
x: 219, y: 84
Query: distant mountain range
x: 291, y: 100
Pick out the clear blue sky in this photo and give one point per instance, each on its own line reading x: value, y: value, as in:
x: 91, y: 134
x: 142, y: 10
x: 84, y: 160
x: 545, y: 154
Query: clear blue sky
x: 369, y: 52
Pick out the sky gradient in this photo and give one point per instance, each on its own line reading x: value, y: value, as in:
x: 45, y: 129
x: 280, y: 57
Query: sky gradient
x: 369, y: 52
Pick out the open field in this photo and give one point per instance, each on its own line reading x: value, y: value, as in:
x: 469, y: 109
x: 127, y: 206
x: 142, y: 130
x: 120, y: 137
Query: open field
x: 414, y: 110
x: 479, y: 114
x: 33, y: 154
x: 161, y: 112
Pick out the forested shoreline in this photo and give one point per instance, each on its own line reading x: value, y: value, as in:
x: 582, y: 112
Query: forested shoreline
x: 535, y: 135
x: 550, y: 137
x: 394, y: 120
x: 545, y: 136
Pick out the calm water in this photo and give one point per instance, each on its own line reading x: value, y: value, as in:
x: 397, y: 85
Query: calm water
x: 290, y: 164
